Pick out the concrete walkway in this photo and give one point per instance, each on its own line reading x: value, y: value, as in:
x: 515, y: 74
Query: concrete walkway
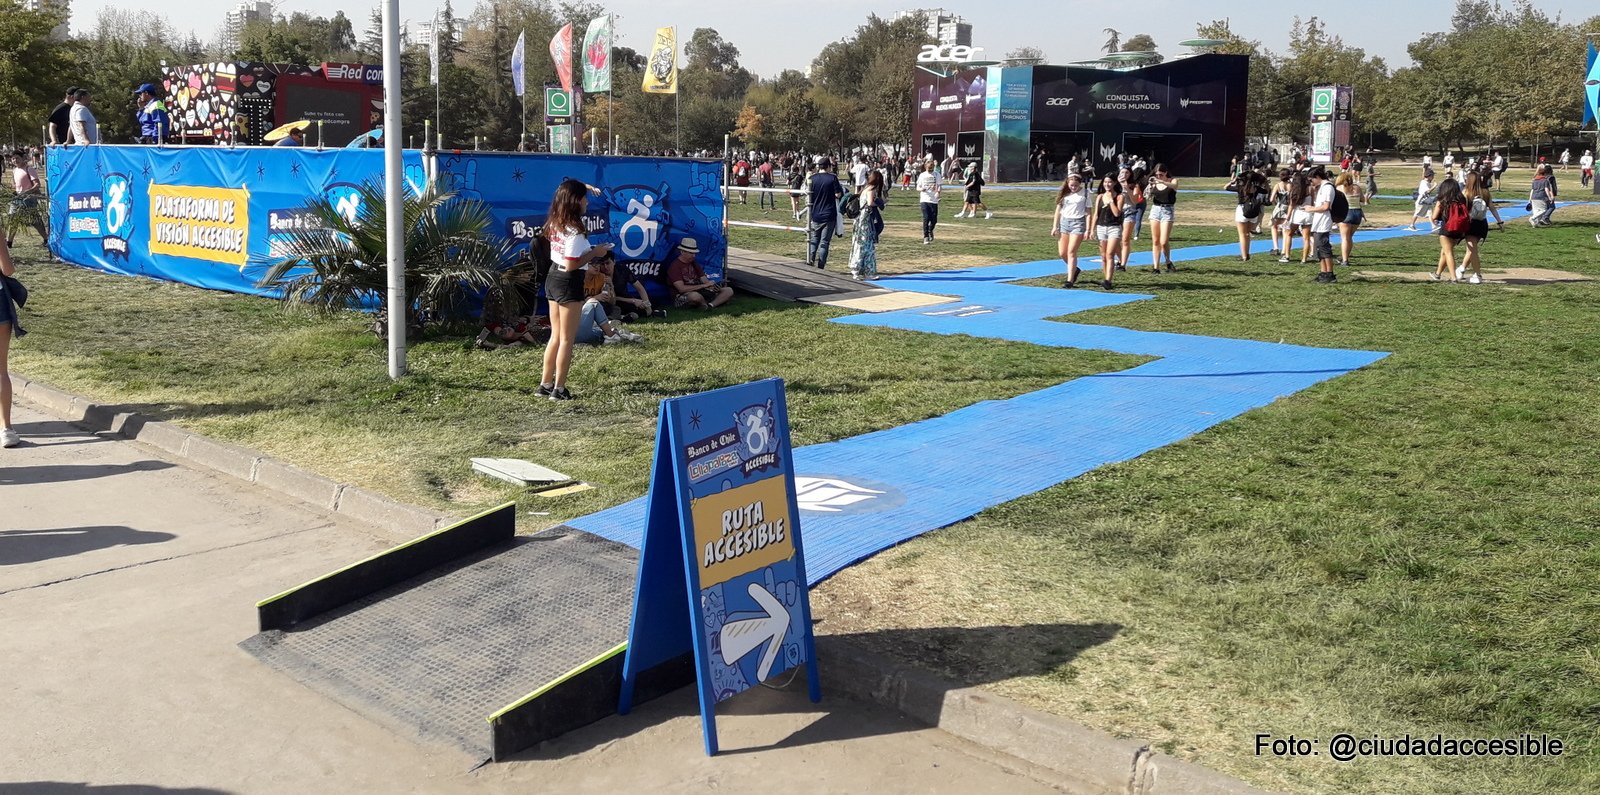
x: 126, y: 581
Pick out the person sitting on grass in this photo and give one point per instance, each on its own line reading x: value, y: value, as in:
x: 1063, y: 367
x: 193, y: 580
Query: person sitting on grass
x: 690, y: 286
x: 593, y: 324
x: 631, y: 299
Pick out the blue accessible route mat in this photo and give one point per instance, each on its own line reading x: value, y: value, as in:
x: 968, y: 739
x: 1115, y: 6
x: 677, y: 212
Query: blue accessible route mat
x: 862, y: 495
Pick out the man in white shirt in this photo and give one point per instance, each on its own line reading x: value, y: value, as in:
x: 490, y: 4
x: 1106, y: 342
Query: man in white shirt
x: 1586, y: 167
x: 84, y: 128
x: 1322, y: 223
x: 928, y: 195
x: 858, y: 173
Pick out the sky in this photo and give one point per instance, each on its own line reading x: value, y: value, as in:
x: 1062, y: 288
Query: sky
x: 787, y: 35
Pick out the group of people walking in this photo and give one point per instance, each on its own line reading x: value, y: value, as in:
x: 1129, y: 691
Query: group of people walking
x: 1117, y: 207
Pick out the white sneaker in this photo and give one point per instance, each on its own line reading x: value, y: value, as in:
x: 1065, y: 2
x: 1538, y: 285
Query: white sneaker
x: 1474, y: 279
x: 9, y: 437
x: 614, y: 339
x: 987, y: 216
x: 630, y: 336
x: 1461, y: 270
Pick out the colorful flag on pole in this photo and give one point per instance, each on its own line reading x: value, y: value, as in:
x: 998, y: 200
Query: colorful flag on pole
x: 433, y: 53
x: 561, y: 53
x: 516, y: 64
x: 597, y: 55
x: 661, y: 72
x: 1591, y: 86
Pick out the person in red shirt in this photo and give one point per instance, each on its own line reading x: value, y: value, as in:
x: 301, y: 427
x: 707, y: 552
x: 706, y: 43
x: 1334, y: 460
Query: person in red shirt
x: 690, y: 286
x: 768, y: 201
x: 741, y: 177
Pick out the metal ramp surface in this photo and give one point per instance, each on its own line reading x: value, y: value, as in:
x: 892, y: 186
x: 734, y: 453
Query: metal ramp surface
x: 785, y: 279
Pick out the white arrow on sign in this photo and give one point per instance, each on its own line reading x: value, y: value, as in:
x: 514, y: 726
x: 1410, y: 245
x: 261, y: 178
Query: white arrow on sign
x: 742, y: 637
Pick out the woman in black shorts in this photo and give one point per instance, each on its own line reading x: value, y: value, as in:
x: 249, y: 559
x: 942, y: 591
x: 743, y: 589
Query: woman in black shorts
x: 563, y: 288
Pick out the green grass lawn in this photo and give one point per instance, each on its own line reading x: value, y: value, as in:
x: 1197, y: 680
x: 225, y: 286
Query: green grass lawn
x: 314, y: 391
x: 1407, y: 548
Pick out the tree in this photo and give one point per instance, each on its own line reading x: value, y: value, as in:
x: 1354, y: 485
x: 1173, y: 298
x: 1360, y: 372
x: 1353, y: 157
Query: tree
x: 1315, y: 58
x: 861, y: 83
x: 125, y: 48
x: 1143, y: 42
x: 747, y: 127
x: 1264, y: 86
x: 339, y: 261
x: 1112, y: 42
x: 1025, y: 56
x: 31, y: 66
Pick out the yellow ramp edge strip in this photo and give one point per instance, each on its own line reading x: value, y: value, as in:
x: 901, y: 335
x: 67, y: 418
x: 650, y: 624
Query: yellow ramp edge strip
x: 618, y: 649
x: 412, y: 542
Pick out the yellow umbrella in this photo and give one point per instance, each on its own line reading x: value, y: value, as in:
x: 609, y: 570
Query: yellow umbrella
x: 283, y: 131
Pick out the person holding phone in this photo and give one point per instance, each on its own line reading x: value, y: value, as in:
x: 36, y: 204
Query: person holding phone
x: 570, y: 253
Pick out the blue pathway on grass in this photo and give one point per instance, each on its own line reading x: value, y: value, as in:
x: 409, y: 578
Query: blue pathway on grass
x: 867, y: 493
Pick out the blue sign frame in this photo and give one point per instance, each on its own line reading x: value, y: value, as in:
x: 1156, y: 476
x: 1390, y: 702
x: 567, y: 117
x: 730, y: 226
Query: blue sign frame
x: 721, y: 567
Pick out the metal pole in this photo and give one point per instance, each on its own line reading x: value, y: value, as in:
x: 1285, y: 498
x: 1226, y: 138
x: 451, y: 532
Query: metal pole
x: 437, y: 114
x: 393, y: 176
x: 611, y: 109
x: 677, y: 127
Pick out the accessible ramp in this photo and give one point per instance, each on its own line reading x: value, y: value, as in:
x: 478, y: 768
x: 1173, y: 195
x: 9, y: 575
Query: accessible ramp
x: 470, y: 636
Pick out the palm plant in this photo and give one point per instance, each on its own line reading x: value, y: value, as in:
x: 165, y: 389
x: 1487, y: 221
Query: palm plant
x: 335, y: 261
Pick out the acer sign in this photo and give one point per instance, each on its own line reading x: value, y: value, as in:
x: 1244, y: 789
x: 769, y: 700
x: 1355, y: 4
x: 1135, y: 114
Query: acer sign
x: 953, y: 53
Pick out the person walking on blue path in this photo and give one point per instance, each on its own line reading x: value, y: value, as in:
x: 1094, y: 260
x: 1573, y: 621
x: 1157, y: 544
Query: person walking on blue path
x: 928, y: 198
x: 1070, y: 224
x: 570, y: 253
x: 825, y: 192
x: 869, y: 227
x: 1163, y: 197
x: 1108, y: 225
x: 11, y: 296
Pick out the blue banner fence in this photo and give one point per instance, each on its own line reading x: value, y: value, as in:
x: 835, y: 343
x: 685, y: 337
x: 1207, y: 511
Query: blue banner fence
x: 209, y: 216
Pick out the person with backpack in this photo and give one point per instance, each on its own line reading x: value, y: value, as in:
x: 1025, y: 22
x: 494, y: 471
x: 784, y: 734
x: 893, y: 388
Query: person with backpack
x: 741, y: 177
x: 973, y: 184
x: 767, y: 201
x: 868, y: 206
x: 1320, y: 212
x: 1481, y: 204
x: 797, y: 181
x: 1346, y: 212
x: 1452, y: 216
x: 1542, y: 196
x: 1279, y: 198
x: 1251, y: 191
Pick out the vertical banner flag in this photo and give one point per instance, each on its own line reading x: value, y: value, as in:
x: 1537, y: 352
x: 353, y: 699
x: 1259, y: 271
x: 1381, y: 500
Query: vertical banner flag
x: 597, y: 55
x: 516, y: 64
x: 433, y: 54
x: 661, y: 73
x: 561, y: 53
x: 1591, y: 86
x: 722, y: 572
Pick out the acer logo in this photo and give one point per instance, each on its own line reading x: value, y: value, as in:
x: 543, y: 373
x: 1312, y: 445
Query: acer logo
x: 958, y: 53
x: 1058, y: 101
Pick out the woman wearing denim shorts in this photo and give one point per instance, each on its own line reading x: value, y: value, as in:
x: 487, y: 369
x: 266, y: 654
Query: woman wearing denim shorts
x: 1346, y: 183
x: 1108, y: 225
x: 1163, y: 196
x: 1070, y: 224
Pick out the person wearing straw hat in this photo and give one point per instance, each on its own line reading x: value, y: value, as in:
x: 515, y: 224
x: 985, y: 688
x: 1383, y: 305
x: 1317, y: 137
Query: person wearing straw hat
x: 690, y: 285
x: 155, y: 124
